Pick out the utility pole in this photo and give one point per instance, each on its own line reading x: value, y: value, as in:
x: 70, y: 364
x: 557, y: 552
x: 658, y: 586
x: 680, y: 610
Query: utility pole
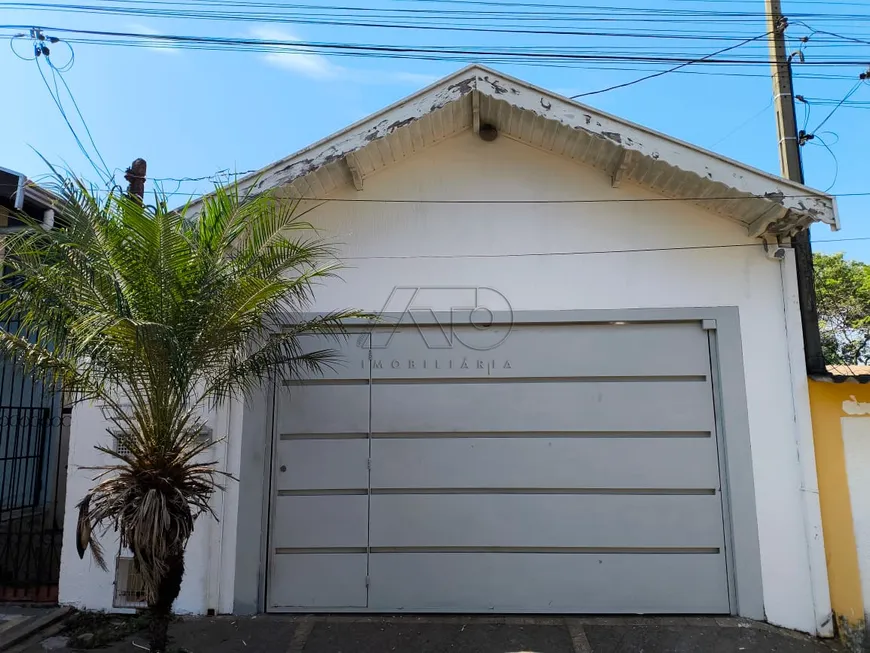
x: 792, y: 168
x: 135, y: 176
x: 783, y: 95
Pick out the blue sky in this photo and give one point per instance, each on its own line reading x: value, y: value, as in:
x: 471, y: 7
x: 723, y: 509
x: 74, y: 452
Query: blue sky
x: 190, y: 113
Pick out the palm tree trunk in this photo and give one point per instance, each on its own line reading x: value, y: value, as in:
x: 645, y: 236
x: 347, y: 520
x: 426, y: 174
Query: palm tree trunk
x: 161, y: 609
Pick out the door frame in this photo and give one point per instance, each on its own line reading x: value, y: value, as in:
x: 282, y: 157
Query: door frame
x: 732, y: 422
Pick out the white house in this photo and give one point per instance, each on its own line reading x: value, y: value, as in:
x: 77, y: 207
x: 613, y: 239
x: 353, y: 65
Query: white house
x: 593, y: 399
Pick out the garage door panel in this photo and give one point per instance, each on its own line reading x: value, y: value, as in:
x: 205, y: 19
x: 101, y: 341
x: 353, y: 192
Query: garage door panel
x: 312, y: 409
x: 573, y: 468
x: 318, y: 580
x: 320, y: 522
x: 544, y: 406
x: 569, y: 350
x: 350, y: 355
x: 556, y: 583
x: 546, y: 520
x: 545, y: 462
x: 322, y: 464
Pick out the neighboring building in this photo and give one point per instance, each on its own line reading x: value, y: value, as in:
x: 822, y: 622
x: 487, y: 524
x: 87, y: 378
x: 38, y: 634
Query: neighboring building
x: 594, y: 401
x: 841, y: 430
x: 34, y: 433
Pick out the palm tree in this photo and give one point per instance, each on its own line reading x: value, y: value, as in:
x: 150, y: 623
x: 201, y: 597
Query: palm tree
x: 153, y: 314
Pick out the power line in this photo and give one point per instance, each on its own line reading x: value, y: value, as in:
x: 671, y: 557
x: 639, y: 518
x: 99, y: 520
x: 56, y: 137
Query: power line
x: 607, y: 8
x: 837, y: 106
x: 58, y: 73
x: 540, y: 11
x: 670, y: 70
x: 835, y: 35
x: 527, y: 10
x: 217, y: 176
x: 742, y: 125
x: 435, y: 53
x: 564, y: 65
x: 444, y: 21
x: 832, y: 101
x: 637, y: 250
x: 833, y: 156
x: 42, y: 50
x: 522, y: 56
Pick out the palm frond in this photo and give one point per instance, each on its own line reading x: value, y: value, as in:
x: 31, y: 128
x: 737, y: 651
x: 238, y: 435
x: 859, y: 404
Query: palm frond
x: 155, y: 313
x: 84, y: 534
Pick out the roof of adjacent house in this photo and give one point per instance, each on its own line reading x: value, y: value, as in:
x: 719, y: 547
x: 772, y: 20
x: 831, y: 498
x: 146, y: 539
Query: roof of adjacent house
x: 849, y: 370
x: 18, y: 193
x: 629, y: 153
x: 846, y: 373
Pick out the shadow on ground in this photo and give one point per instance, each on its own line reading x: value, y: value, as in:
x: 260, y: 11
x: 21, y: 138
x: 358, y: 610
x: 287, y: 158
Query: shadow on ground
x: 465, y: 634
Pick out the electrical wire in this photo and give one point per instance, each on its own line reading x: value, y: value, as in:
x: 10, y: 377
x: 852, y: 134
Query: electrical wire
x: 537, y: 55
x: 807, y: 105
x: 637, y: 250
x: 670, y: 70
x: 834, y: 34
x: 832, y: 134
x: 433, y: 52
x: 530, y: 10
x: 837, y: 106
x: 69, y: 64
x: 855, y: 104
x: 57, y: 73
x: 523, y: 56
x: 442, y: 20
x: 742, y: 125
x: 12, y: 40
x: 55, y: 96
x: 41, y: 50
x: 604, y: 7
x: 833, y: 156
x: 220, y: 174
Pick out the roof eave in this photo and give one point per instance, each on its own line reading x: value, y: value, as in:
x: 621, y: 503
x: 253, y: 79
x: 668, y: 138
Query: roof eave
x: 357, y: 135
x: 806, y: 204
x: 787, y: 206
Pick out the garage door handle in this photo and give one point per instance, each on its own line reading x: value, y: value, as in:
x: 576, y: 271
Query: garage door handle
x: 283, y: 468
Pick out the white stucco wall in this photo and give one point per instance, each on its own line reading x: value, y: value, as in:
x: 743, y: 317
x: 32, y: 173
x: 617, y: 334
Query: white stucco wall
x: 82, y: 583
x: 488, y: 245
x: 856, y: 447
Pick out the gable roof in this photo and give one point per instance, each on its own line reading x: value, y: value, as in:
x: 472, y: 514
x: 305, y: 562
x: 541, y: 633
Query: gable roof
x: 476, y: 95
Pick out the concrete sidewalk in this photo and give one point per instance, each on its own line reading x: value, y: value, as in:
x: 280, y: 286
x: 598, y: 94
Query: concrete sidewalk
x: 469, y: 634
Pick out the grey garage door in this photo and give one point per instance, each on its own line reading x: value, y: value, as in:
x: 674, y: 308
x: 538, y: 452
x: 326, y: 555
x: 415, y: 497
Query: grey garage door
x: 538, y: 468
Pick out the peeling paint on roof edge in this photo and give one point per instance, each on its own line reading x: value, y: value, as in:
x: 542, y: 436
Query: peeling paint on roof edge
x: 791, y: 206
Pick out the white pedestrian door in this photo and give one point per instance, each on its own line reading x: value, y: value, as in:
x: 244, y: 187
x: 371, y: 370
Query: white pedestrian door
x: 569, y: 468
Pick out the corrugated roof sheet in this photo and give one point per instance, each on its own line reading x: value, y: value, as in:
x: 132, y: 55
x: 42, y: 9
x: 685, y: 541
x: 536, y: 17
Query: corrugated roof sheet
x: 845, y: 374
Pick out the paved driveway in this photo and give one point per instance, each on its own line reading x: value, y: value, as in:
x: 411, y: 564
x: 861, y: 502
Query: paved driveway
x: 468, y: 634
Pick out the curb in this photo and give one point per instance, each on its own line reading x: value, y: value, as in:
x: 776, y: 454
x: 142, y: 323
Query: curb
x: 30, y: 627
